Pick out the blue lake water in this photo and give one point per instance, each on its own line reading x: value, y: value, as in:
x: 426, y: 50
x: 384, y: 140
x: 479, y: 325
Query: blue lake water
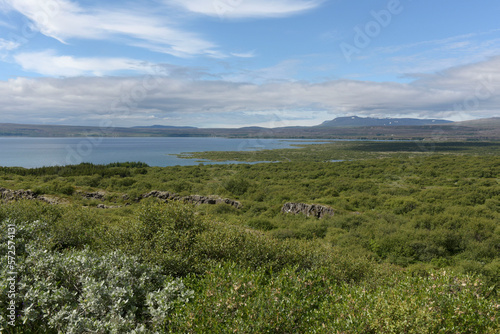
x: 31, y: 152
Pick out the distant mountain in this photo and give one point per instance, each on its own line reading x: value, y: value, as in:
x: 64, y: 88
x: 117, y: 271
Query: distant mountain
x: 164, y: 127
x: 355, y: 121
x: 339, y: 128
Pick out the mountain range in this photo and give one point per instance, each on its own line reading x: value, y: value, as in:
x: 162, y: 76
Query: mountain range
x: 353, y: 127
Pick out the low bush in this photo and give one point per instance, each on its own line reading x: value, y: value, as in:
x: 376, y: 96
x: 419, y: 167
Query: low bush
x: 234, y: 299
x: 236, y: 186
x: 165, y: 235
x: 261, y: 224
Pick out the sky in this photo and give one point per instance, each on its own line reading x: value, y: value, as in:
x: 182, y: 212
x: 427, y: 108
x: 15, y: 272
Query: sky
x: 235, y: 63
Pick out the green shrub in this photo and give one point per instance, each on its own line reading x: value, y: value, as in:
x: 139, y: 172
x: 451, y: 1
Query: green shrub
x: 181, y: 186
x: 234, y: 299
x: 334, y: 235
x: 221, y: 209
x: 125, y: 182
x: 231, y: 299
x: 75, y: 228
x: 27, y: 211
x: 284, y: 233
x: 64, y: 188
x: 236, y: 186
x: 166, y: 234
x: 261, y: 224
x: 402, y: 205
x: 313, y: 229
x: 90, y: 181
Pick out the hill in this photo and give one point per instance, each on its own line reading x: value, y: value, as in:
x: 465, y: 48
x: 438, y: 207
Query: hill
x: 493, y: 122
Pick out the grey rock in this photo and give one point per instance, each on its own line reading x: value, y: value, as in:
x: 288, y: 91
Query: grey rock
x: 8, y: 195
x: 163, y: 195
x: 102, y: 206
x: 99, y: 195
x: 14, y: 195
x: 192, y: 199
x: 315, y: 210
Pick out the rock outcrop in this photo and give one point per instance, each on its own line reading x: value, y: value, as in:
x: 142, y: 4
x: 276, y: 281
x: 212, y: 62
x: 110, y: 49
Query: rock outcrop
x: 193, y: 199
x: 8, y: 195
x: 315, y: 210
x: 163, y: 195
x: 14, y: 195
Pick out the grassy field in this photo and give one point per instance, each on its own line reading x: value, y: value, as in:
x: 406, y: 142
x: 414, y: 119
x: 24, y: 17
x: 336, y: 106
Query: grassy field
x: 413, y: 246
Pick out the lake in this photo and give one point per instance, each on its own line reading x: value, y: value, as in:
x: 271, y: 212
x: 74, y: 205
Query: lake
x: 32, y: 152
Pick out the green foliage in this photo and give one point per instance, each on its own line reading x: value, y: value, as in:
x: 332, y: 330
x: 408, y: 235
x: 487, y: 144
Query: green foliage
x: 117, y: 168
x: 347, y: 150
x: 61, y: 187
x: 402, y: 205
x: 162, y: 303
x: 22, y: 211
x: 75, y: 228
x: 376, y: 266
x: 261, y: 224
x: 232, y: 299
x: 236, y: 186
x: 166, y: 236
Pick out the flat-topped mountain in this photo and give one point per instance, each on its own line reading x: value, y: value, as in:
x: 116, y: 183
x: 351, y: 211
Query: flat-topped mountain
x: 156, y: 126
x: 355, y: 121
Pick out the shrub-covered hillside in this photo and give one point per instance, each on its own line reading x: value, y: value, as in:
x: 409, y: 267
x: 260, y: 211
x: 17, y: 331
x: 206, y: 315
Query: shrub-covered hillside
x: 413, y: 245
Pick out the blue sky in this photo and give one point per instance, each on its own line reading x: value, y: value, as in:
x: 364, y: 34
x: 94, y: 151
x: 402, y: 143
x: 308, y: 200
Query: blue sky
x: 231, y: 63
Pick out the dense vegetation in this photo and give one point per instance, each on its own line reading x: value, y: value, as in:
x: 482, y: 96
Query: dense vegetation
x: 413, y: 247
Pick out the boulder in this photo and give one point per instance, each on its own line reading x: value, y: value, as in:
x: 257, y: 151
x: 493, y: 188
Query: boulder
x: 99, y: 195
x: 102, y: 206
x: 51, y: 199
x: 228, y: 201
x: 315, y: 210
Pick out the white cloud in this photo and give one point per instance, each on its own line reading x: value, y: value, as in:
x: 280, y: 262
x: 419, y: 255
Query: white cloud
x: 65, y: 20
x: 249, y: 54
x: 51, y: 64
x: 469, y: 79
x: 435, y: 55
x: 8, y: 45
x: 279, y: 72
x: 246, y: 8
x: 466, y: 92
x: 5, y: 24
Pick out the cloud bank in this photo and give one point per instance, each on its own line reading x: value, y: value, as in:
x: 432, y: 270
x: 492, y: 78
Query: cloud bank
x: 460, y: 93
